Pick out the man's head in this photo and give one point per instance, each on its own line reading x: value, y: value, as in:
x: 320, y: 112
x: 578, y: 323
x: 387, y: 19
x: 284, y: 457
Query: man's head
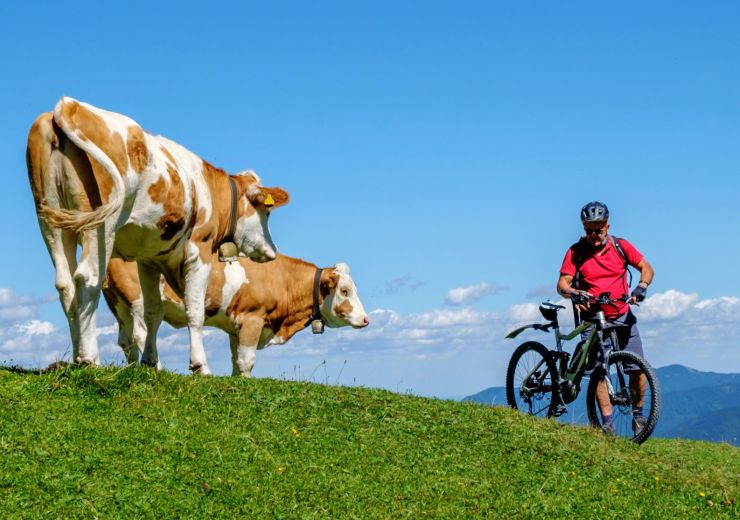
x: 595, y: 219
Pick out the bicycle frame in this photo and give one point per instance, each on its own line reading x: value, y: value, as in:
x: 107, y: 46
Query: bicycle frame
x: 570, y: 374
x: 570, y: 369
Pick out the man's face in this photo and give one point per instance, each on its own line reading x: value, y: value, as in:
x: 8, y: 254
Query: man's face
x: 596, y: 232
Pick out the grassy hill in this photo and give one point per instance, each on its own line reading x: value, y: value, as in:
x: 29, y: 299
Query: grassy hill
x: 133, y: 443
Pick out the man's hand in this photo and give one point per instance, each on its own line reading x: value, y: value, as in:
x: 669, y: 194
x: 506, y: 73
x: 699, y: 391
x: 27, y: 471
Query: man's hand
x: 638, y: 294
x: 580, y: 300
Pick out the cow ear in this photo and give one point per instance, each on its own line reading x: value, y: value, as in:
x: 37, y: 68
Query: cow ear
x: 269, y: 198
x: 329, y: 281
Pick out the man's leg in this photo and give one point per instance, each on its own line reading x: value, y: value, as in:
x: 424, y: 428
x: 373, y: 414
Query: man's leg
x: 629, y: 340
x: 638, y: 388
x: 605, y: 406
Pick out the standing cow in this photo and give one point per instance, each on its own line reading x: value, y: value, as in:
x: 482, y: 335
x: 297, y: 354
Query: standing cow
x: 99, y: 180
x: 256, y: 304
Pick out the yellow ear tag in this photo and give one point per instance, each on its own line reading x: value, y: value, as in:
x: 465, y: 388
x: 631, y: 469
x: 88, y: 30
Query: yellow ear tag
x: 269, y: 201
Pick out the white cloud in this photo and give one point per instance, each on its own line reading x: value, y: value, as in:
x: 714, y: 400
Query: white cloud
x: 17, y: 312
x: 525, y: 312
x: 689, y: 309
x: 35, y: 328
x: 440, y: 318
x: 108, y: 330
x: 31, y: 342
x: 14, y: 307
x: 667, y: 306
x: 470, y: 294
x: 6, y: 296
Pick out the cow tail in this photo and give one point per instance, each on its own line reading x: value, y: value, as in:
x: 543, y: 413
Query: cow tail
x: 80, y: 220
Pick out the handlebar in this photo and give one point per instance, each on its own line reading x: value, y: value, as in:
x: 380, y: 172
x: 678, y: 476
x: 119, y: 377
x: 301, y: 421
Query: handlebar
x: 602, y: 299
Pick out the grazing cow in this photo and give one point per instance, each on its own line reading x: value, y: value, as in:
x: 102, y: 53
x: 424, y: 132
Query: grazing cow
x: 99, y: 180
x: 256, y: 304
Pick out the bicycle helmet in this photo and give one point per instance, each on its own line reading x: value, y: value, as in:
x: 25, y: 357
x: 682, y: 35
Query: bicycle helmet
x: 594, y: 212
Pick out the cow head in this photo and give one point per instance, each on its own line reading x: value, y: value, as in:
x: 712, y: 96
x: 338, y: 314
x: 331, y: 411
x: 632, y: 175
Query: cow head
x: 341, y: 305
x: 252, y: 235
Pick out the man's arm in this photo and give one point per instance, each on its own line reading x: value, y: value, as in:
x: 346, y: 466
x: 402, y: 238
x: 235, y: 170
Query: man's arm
x: 646, y: 272
x: 566, y: 291
x: 646, y: 278
x: 564, y: 285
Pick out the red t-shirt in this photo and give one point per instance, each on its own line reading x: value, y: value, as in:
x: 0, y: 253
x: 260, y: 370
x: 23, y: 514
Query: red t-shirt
x: 604, y: 271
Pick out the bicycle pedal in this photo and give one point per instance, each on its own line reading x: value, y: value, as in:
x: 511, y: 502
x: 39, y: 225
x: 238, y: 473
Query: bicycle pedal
x: 560, y: 410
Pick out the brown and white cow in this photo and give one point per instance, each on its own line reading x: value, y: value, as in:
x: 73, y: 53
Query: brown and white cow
x: 256, y: 304
x: 100, y: 181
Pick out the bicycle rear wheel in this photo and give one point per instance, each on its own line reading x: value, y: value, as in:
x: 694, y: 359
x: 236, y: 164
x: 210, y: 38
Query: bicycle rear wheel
x: 531, y: 379
x: 633, y: 382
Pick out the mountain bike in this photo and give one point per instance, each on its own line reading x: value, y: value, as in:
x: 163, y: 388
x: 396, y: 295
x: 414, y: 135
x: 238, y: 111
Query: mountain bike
x: 540, y: 381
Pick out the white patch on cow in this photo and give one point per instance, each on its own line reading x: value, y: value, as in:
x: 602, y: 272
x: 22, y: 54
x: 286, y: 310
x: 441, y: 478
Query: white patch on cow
x: 244, y: 173
x: 268, y: 339
x: 190, y: 168
x: 185, y: 158
x: 115, y: 122
x: 252, y: 236
x: 145, y: 210
x: 245, y: 358
x: 234, y: 277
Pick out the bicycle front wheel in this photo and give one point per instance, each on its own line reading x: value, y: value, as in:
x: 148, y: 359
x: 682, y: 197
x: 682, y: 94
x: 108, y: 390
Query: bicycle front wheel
x: 630, y: 389
x: 531, y: 379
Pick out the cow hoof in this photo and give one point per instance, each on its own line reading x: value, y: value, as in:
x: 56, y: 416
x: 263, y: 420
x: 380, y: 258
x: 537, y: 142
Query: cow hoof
x: 156, y: 365
x: 201, y: 370
x: 86, y: 361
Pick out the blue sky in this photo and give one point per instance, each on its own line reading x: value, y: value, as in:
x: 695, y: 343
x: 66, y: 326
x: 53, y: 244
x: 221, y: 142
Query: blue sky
x: 442, y: 150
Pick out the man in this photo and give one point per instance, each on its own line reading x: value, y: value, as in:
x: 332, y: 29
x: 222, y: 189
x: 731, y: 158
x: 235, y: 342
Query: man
x: 596, y: 264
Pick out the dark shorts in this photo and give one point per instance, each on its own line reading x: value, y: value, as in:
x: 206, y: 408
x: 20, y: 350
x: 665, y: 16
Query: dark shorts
x: 628, y: 338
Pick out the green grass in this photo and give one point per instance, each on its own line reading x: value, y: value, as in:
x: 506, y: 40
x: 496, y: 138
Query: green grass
x: 133, y: 443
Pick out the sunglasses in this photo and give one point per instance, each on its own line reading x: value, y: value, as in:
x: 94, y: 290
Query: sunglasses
x: 596, y: 231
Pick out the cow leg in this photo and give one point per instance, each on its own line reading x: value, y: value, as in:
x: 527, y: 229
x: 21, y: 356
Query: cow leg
x: 244, y: 354
x: 153, y: 312
x: 234, y: 345
x: 139, y: 328
x: 196, y: 284
x: 131, y: 331
x: 62, y: 246
x: 97, y: 247
x: 122, y: 313
x: 126, y: 340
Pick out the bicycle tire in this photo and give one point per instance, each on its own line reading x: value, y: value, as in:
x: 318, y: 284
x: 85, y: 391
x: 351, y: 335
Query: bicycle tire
x: 525, y: 358
x: 622, y: 417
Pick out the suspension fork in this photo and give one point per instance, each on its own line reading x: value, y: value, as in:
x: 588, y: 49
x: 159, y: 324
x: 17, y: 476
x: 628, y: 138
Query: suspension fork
x: 621, y: 378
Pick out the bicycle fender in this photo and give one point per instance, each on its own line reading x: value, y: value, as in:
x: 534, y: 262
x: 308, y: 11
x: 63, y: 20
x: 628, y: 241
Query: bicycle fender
x: 537, y: 326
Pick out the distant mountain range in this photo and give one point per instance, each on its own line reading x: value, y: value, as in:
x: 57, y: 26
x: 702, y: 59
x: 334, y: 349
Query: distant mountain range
x: 695, y: 405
